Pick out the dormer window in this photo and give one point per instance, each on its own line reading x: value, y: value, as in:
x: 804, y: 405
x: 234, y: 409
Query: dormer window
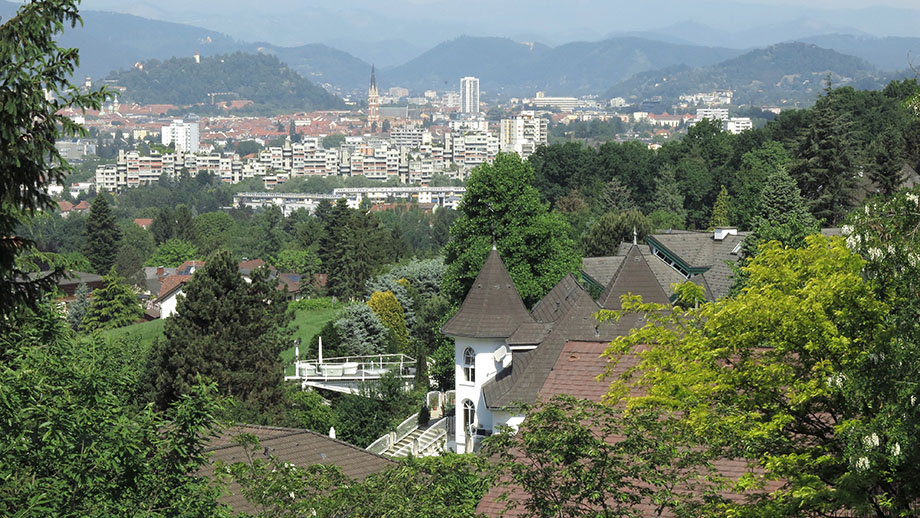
x: 469, y: 365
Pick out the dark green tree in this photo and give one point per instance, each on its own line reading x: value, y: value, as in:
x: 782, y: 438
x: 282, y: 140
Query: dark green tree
x: 756, y: 166
x: 605, y: 236
x: 32, y: 66
x: 101, y: 236
x: 668, y: 200
x: 163, y: 227
x: 226, y: 330
x: 114, y: 305
x: 501, y: 206
x: 886, y: 161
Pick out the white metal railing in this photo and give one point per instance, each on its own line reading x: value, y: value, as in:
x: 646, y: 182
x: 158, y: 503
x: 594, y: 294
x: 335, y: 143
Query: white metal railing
x: 380, y: 445
x: 406, y: 427
x: 353, y: 368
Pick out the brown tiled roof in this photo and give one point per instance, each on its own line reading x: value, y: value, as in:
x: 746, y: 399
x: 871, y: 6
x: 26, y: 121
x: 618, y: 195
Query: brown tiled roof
x: 171, y: 284
x: 634, y: 276
x: 81, y: 206
x: 523, y: 380
x: 557, y: 302
x: 65, y: 205
x: 493, y: 307
x: 295, y: 446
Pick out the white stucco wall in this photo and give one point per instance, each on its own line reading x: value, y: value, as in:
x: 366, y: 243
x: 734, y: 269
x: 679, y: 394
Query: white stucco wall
x: 486, y: 368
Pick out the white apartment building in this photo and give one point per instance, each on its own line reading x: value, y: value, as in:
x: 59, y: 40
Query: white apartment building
x: 471, y: 148
x: 736, y: 125
x: 712, y: 114
x: 523, y: 134
x: 469, y: 95
x: 565, y: 104
x: 183, y: 134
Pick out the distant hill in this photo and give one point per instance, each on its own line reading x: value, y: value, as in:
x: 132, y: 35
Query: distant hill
x: 112, y: 41
x: 515, y: 68
x: 259, y: 77
x: 784, y: 72
x: 323, y: 64
x: 890, y: 53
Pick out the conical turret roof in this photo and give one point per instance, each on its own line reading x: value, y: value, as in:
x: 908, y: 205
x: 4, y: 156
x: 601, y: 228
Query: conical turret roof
x: 492, y: 308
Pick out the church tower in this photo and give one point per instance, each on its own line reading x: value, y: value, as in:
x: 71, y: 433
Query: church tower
x: 373, y: 102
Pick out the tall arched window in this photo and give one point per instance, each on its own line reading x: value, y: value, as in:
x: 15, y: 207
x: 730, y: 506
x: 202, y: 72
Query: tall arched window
x: 469, y: 415
x: 469, y: 365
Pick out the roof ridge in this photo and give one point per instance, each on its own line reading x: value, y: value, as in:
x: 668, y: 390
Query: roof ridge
x: 296, y: 431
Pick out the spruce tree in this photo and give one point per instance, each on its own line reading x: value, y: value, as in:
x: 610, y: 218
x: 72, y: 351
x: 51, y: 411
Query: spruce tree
x: 163, y: 227
x: 77, y: 309
x: 226, y: 330
x: 887, y: 161
x: 668, y: 196
x: 114, y: 305
x: 101, y: 236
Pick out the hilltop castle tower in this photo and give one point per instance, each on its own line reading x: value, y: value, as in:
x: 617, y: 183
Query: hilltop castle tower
x: 373, y: 101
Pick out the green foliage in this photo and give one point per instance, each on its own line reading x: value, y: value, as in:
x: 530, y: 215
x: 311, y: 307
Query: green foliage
x: 315, y: 304
x: 225, y: 330
x: 886, y: 154
x: 360, y: 332
x: 31, y: 65
x: 668, y: 199
x: 173, y: 253
x: 575, y: 457
x: 391, y: 314
x: 788, y: 393
x: 501, y: 206
x: 333, y: 141
x: 756, y: 167
x: 212, y: 230
x: 114, y: 305
x: 102, y: 236
x: 308, y: 409
x: 302, y: 262
x: 74, y: 443
x: 721, y: 211
x: 257, y: 77
x: 380, y: 406
x: 605, y: 236
x: 79, y: 306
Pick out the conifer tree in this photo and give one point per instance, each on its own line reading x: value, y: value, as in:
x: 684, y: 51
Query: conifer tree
x: 391, y: 313
x: 668, y: 197
x: 114, y: 305
x: 721, y: 211
x: 101, y: 236
x: 887, y: 161
x: 77, y: 309
x: 228, y: 331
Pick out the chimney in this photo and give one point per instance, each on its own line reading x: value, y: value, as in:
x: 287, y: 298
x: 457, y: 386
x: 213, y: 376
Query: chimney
x: 160, y: 271
x: 721, y: 233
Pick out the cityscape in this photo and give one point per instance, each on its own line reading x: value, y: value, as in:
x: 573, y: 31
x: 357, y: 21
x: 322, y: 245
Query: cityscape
x: 410, y: 260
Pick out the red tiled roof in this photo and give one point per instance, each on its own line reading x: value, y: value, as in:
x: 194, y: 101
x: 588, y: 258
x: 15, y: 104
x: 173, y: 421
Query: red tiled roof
x: 143, y: 222
x: 65, y: 206
x: 187, y: 264
x: 172, y: 283
x: 82, y: 206
x: 252, y: 264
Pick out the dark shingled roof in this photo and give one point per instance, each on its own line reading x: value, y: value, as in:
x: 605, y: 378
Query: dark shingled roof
x: 522, y: 381
x: 295, y: 446
x: 634, y: 276
x: 493, y: 308
x: 529, y: 334
x: 557, y: 302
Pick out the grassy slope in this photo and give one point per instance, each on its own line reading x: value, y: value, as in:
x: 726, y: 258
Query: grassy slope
x: 306, y: 324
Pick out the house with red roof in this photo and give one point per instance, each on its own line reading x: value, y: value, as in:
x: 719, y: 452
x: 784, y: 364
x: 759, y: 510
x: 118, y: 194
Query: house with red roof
x: 144, y: 223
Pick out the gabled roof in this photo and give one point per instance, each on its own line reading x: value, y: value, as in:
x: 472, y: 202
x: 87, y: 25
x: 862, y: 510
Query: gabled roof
x: 634, y: 276
x: 523, y: 380
x: 172, y: 284
x: 492, y: 308
x: 65, y: 205
x: 557, y: 302
x: 295, y: 446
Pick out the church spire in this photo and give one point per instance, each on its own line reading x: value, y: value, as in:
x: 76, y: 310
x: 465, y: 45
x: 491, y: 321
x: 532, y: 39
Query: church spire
x: 373, y: 100
x: 373, y: 78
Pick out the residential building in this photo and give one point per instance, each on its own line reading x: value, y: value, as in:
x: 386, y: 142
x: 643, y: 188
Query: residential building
x: 566, y: 104
x: 75, y: 149
x: 469, y: 95
x: 523, y: 134
x: 712, y: 113
x: 736, y: 125
x: 183, y: 135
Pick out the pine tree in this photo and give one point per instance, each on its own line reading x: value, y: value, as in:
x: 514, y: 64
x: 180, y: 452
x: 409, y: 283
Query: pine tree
x: 721, y: 211
x: 617, y: 197
x: 114, y: 305
x: 163, y: 227
x: 781, y: 201
x: 101, y: 236
x: 668, y: 197
x: 605, y: 236
x: 887, y: 161
x: 77, y: 309
x: 226, y: 330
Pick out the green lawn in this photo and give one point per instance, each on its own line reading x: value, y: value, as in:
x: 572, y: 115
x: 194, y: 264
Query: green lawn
x: 306, y: 324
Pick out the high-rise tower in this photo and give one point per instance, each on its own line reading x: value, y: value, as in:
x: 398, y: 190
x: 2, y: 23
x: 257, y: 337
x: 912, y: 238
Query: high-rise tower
x: 373, y: 101
x: 469, y: 95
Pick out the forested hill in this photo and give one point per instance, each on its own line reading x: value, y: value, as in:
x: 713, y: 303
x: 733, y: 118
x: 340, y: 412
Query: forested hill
x: 786, y: 71
x: 519, y: 68
x: 261, y: 78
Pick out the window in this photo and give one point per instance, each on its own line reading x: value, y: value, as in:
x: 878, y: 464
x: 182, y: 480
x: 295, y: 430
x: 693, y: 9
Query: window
x: 469, y: 365
x: 469, y: 416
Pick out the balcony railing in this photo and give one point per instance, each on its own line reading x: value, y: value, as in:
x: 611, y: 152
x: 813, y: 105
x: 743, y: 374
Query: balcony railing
x: 354, y: 368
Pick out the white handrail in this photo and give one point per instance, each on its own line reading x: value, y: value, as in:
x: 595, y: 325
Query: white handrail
x: 380, y: 445
x: 406, y: 427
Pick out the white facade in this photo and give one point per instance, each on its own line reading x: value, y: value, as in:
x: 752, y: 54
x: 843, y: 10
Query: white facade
x: 523, y: 134
x: 168, y: 304
x: 712, y: 113
x: 469, y: 95
x: 470, y: 377
x: 183, y: 134
x: 736, y: 125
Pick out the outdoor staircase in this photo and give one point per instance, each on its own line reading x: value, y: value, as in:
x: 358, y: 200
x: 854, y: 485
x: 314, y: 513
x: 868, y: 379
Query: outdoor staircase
x: 400, y: 449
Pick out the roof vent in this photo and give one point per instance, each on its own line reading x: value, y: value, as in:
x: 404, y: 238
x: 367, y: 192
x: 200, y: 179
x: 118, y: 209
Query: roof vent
x: 721, y: 233
x: 500, y: 354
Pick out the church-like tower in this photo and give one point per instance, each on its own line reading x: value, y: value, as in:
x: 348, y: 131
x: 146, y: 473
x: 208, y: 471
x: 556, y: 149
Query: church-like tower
x: 373, y: 102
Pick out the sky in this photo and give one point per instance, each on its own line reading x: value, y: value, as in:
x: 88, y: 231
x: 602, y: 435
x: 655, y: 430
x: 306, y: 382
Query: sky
x: 423, y: 23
